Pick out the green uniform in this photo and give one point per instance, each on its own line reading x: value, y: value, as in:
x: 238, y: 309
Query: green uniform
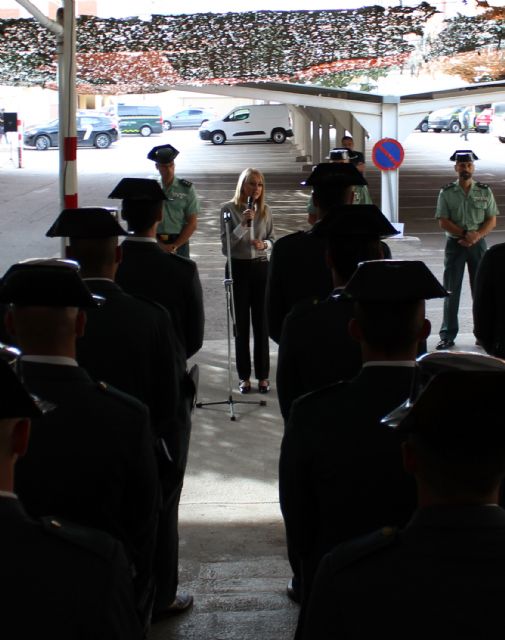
x: 181, y: 203
x: 468, y: 211
x: 361, y: 194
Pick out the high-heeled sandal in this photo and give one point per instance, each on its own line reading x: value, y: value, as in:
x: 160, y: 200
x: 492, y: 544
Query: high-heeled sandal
x: 244, y: 386
x: 264, y: 386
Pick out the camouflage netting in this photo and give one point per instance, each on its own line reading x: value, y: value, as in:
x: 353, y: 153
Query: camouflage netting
x: 472, y: 47
x: 136, y: 56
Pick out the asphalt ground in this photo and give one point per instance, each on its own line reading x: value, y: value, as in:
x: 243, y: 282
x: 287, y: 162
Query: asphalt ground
x: 232, y: 541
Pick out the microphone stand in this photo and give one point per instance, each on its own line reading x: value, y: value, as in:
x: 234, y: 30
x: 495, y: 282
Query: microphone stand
x: 230, y: 322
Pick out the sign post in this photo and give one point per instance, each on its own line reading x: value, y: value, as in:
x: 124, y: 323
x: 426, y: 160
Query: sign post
x: 387, y: 156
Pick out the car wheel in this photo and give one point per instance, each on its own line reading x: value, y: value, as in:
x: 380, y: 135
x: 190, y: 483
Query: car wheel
x: 455, y: 127
x: 145, y: 131
x: 424, y: 127
x: 278, y: 136
x: 501, y: 139
x: 218, y: 137
x: 42, y: 143
x: 102, y: 141
x: 167, y: 125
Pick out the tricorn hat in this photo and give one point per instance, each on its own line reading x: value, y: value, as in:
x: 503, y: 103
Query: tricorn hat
x: 46, y: 283
x: 86, y: 222
x: 138, y: 189
x: 163, y: 154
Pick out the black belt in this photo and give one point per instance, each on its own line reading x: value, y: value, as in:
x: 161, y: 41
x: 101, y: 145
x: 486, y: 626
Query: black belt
x: 167, y: 238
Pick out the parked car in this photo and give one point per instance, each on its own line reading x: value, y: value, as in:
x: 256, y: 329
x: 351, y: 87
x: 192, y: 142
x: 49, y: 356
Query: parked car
x: 193, y: 117
x: 452, y: 119
x: 446, y: 120
x: 423, y: 125
x: 250, y: 122
x: 483, y: 120
x: 141, y: 119
x: 92, y: 131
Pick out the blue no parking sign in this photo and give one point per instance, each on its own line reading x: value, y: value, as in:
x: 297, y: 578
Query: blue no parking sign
x: 387, y: 154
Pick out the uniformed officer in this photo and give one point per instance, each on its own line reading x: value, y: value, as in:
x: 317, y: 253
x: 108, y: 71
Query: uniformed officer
x: 59, y: 580
x: 442, y: 575
x: 340, y: 470
x: 92, y: 458
x: 467, y: 211
x: 361, y: 192
x: 148, y: 271
x: 131, y: 342
x: 316, y: 348
x: 180, y: 209
x: 338, y: 155
x: 297, y: 267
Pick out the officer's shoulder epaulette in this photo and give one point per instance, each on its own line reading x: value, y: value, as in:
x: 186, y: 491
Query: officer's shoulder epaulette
x: 148, y: 301
x: 482, y: 185
x: 348, y: 553
x: 184, y: 182
x: 117, y: 394
x: 303, y: 307
x: 321, y: 392
x: 448, y: 186
x: 98, y: 542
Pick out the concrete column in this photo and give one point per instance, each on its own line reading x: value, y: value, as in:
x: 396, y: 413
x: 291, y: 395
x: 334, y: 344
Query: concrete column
x: 316, y: 139
x: 390, y: 179
x: 325, y: 138
x: 301, y: 127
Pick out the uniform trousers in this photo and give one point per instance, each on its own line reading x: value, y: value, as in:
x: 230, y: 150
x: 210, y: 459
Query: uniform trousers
x: 249, y: 283
x: 456, y: 257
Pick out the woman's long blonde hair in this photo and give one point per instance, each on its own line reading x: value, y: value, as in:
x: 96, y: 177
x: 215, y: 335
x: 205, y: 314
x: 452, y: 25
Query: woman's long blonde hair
x: 240, y: 200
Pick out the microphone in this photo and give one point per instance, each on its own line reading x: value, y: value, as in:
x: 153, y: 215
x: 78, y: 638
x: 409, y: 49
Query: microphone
x: 250, y: 203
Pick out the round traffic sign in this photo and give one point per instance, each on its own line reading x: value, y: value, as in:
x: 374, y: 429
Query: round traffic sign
x: 387, y: 154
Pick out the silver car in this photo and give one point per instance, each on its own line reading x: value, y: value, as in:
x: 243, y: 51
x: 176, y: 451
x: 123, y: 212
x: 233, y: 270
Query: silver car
x: 188, y: 118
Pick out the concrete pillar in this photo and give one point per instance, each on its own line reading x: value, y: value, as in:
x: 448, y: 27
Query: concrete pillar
x: 389, y: 179
x: 325, y: 136
x: 301, y: 127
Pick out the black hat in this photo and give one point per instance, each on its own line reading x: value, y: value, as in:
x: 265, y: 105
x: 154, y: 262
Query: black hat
x: 163, y: 154
x: 46, y: 283
x: 356, y: 157
x: 15, y: 401
x: 355, y: 220
x: 328, y: 175
x: 463, y: 155
x: 393, y: 281
x: 341, y: 154
x: 441, y: 415
x: 86, y: 222
x: 138, y: 189
x: 432, y: 364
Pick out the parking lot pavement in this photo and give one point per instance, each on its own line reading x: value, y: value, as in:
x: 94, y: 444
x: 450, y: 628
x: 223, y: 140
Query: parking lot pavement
x: 233, y: 555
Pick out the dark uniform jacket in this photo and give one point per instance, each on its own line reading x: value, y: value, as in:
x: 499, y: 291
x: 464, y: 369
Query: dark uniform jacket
x: 131, y: 343
x: 91, y: 460
x: 62, y: 581
x: 297, y: 270
x: 489, y: 301
x: 315, y: 348
x: 441, y: 577
x: 341, y: 472
x: 146, y: 270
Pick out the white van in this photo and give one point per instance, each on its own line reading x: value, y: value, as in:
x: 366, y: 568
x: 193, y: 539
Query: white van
x: 250, y: 122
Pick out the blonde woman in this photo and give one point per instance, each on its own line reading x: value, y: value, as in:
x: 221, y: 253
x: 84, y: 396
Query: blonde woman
x: 251, y: 236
